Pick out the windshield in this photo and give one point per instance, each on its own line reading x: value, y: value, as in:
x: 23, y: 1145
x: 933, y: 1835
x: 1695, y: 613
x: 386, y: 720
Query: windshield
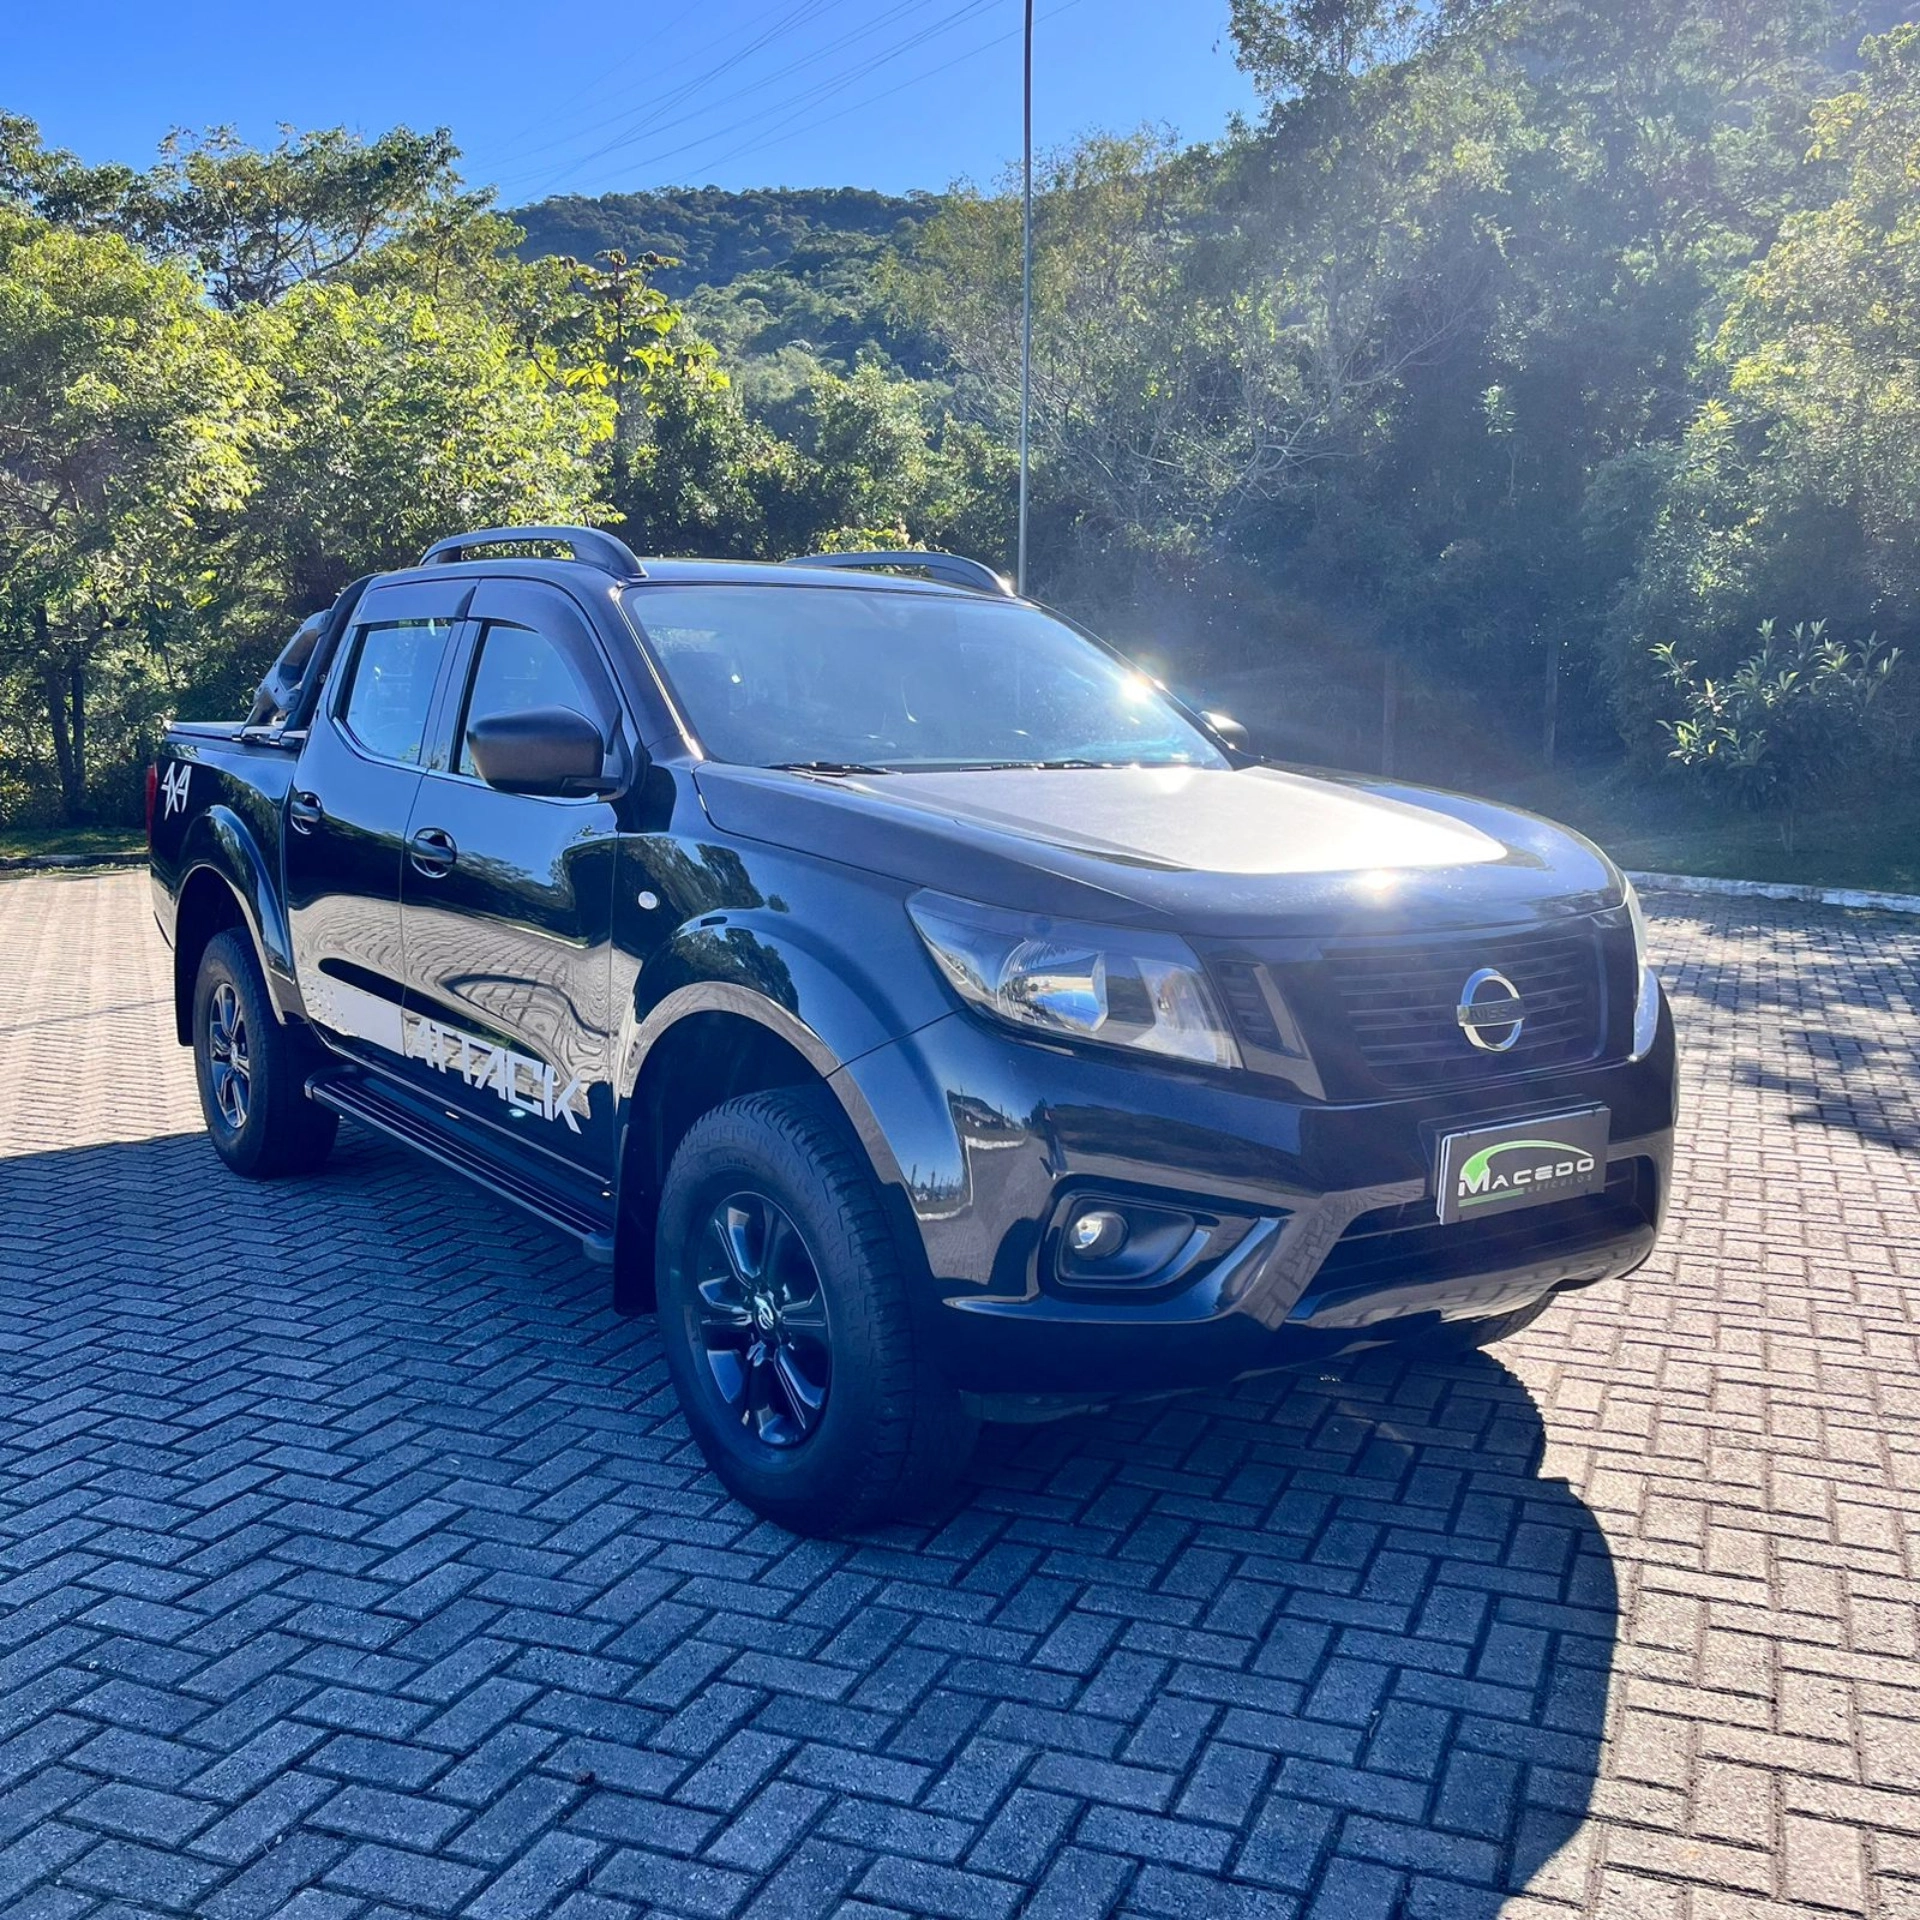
x: 872, y: 679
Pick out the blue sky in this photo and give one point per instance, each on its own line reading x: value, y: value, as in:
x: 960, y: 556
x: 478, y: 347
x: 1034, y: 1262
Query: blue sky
x: 892, y: 94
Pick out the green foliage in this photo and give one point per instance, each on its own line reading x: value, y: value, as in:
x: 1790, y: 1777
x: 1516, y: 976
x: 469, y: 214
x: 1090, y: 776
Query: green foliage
x: 1419, y: 354
x: 205, y: 430
x: 1515, y: 338
x: 1133, y: 385
x: 1798, y: 476
x: 1291, y: 46
x: 252, y: 223
x: 398, y: 418
x: 712, y: 237
x: 125, y: 408
x: 787, y: 284
x: 1792, y: 721
x: 860, y: 466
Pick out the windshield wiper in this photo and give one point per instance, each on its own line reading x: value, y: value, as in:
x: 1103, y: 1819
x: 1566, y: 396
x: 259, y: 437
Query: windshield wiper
x: 1029, y: 766
x: 827, y: 766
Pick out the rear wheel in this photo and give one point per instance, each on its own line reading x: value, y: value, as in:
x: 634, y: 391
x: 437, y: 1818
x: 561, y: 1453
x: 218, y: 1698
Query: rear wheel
x: 251, y: 1070
x: 784, y: 1316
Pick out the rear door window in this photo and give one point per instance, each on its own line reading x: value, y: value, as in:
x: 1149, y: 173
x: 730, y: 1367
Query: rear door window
x: 389, y: 690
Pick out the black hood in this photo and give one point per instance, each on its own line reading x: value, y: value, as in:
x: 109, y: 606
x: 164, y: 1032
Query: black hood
x: 1226, y: 852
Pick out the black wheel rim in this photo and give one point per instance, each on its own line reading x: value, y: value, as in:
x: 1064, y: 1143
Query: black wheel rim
x: 229, y: 1064
x: 762, y: 1320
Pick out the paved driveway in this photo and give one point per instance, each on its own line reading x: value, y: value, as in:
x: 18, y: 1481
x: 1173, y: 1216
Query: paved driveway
x: 354, y: 1562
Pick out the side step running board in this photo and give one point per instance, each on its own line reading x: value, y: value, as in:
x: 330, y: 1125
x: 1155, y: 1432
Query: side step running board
x: 362, y: 1099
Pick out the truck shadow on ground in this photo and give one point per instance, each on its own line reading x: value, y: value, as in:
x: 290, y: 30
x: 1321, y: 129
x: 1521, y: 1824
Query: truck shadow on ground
x: 369, y: 1459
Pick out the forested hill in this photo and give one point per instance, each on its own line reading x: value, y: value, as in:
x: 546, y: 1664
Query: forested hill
x: 717, y: 236
x: 783, y: 280
x: 1539, y: 384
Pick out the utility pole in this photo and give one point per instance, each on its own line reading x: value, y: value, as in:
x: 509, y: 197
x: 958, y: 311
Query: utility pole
x: 1026, y: 302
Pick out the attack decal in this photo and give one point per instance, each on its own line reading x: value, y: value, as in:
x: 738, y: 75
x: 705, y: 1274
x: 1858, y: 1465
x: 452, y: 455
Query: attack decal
x: 526, y: 1085
x: 173, y: 787
x: 523, y: 1083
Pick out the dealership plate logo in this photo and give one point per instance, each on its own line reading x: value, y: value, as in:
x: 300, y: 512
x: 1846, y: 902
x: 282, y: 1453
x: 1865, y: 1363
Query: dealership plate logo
x: 1491, y: 1013
x: 1524, y: 1163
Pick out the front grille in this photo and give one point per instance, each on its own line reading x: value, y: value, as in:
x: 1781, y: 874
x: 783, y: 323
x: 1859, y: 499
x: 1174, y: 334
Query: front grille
x: 1247, y: 1005
x: 1401, y: 1004
x: 1393, y: 1246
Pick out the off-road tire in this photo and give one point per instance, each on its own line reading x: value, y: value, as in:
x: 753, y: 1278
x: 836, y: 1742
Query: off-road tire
x: 279, y: 1131
x: 893, y: 1434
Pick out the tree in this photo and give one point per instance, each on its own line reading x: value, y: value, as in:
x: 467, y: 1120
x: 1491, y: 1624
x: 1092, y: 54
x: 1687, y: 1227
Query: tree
x: 1821, y: 344
x: 1515, y: 336
x: 252, y: 223
x: 397, y: 418
x: 1291, y: 46
x: 124, y: 414
x: 229, y: 385
x: 708, y: 478
x: 1136, y: 396
x: 1799, y: 474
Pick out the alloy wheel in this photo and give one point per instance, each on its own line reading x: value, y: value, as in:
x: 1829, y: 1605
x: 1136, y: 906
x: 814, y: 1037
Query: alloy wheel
x: 762, y: 1320
x: 229, y: 1068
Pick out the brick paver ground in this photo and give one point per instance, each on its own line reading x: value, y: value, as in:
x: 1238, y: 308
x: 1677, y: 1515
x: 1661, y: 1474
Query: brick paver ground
x: 354, y: 1562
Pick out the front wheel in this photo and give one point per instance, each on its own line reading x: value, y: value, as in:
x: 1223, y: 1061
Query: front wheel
x: 784, y: 1317
x: 251, y: 1070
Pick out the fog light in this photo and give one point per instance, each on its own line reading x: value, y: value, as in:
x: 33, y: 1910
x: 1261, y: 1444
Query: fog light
x: 1097, y: 1234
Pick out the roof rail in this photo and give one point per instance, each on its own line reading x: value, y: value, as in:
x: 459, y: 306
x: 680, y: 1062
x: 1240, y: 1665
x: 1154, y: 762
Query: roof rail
x: 589, y: 545
x: 954, y: 569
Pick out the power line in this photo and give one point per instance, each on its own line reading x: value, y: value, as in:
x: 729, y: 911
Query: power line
x: 870, y: 100
x: 826, y: 89
x: 794, y: 17
x: 823, y: 88
x: 795, y: 104
x: 515, y: 142
x: 651, y: 123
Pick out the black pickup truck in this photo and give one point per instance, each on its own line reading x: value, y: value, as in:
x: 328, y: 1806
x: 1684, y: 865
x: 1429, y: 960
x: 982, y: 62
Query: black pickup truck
x: 924, y: 1011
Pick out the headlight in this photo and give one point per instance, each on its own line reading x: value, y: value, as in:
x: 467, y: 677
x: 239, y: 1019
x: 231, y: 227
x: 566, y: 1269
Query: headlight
x: 1646, y: 1004
x: 1077, y: 982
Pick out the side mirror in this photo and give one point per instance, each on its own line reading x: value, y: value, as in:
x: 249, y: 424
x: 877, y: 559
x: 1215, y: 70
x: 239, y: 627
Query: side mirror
x: 550, y: 750
x: 1228, y: 729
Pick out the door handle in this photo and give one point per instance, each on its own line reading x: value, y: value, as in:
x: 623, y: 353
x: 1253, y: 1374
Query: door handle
x: 433, y: 852
x: 304, y: 812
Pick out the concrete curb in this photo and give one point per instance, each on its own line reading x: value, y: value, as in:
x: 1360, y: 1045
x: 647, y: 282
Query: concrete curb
x: 1777, y: 890
x: 35, y: 862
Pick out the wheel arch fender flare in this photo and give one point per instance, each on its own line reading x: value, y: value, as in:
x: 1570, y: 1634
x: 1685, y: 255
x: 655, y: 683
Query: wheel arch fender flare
x: 693, y: 998
x: 220, y: 848
x: 823, y: 1046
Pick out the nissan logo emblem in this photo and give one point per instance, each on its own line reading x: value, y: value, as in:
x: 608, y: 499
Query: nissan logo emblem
x: 1490, y: 1013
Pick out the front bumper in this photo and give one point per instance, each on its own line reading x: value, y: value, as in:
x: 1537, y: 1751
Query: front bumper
x: 1321, y: 1223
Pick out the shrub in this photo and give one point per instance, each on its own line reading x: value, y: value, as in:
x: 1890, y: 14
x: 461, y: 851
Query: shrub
x: 1793, y: 721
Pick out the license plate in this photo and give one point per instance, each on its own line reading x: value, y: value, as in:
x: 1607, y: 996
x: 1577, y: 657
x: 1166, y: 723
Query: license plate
x: 1523, y: 1163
